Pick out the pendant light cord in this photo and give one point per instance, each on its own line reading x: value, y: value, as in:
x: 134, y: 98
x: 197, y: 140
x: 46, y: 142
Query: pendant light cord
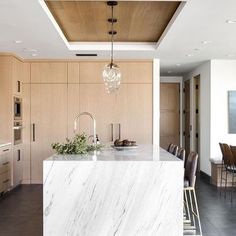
x: 112, y: 34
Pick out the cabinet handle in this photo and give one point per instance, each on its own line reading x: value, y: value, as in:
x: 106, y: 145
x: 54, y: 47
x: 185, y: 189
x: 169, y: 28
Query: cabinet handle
x: 5, y: 163
x: 119, y: 130
x: 33, y: 132
x: 5, y: 181
x: 112, y: 126
x: 5, y: 150
x: 18, y: 86
x: 19, y: 156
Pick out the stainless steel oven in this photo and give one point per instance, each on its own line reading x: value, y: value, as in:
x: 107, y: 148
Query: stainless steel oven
x: 17, y: 108
x: 17, y: 132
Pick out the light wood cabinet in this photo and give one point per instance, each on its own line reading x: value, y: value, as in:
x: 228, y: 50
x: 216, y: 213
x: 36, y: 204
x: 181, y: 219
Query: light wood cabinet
x: 26, y: 132
x: 73, y: 107
x: 132, y: 72
x: 18, y: 157
x: 5, y: 168
x: 6, y: 101
x: 59, y: 91
x: 20, y: 75
x: 136, y: 72
x: 48, y: 123
x: 73, y: 72
x: 133, y: 111
x: 131, y: 107
x: 49, y: 72
x: 94, y: 99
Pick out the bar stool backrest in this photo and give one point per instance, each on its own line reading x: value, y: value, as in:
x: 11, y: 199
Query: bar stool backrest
x: 228, y: 156
x: 170, y: 147
x: 174, y: 151
x: 181, y: 154
x: 191, y: 168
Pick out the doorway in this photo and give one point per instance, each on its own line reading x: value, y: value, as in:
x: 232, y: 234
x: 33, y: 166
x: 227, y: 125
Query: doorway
x: 196, y: 118
x: 187, y: 126
x: 169, y: 114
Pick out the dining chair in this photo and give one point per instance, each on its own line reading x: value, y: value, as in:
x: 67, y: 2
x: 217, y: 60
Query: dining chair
x: 228, y: 167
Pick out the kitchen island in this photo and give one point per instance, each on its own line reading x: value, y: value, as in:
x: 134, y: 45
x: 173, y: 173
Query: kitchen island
x: 122, y: 193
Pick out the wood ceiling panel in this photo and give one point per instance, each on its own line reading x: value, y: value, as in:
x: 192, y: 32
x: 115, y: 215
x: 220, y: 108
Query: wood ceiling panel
x: 138, y: 21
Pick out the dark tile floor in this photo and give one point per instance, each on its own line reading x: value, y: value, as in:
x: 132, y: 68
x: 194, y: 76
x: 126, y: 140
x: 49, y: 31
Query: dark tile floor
x: 218, y: 214
x: 21, y: 212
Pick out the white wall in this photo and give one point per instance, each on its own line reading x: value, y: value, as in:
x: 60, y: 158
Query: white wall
x: 223, y: 77
x: 177, y: 79
x: 204, y: 71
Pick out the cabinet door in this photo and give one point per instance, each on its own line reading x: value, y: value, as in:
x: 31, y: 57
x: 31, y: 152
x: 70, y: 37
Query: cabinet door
x: 48, y: 123
x: 94, y: 99
x: 132, y: 72
x: 26, y: 133
x: 134, y: 112
x: 18, y: 156
x: 73, y: 106
x: 48, y: 72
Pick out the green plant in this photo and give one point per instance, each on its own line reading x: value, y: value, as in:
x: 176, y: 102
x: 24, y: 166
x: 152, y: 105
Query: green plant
x: 77, y: 145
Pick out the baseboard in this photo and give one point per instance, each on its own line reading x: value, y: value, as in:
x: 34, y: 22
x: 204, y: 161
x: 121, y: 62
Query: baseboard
x: 205, y: 177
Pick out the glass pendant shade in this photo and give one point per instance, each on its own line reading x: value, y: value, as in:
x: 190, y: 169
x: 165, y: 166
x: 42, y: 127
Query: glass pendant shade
x: 112, y: 77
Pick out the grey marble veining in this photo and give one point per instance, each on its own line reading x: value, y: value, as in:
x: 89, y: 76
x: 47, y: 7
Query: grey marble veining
x: 141, y: 153
x: 113, y: 196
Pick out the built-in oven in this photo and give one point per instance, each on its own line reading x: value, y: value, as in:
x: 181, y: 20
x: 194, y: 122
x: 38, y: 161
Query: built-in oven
x: 17, y: 108
x: 17, y: 132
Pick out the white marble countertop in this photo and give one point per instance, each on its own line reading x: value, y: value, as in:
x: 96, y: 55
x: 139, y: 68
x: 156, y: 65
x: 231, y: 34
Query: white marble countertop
x: 4, y: 144
x: 145, y: 152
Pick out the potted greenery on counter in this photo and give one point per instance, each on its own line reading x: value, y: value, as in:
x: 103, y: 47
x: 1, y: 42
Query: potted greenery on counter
x: 77, y: 145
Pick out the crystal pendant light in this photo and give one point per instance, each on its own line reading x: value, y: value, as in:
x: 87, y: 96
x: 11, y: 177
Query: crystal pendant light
x: 111, y: 72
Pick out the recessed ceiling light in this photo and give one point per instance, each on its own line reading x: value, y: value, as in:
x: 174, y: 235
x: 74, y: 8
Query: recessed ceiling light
x: 206, y: 42
x: 178, y: 64
x: 189, y: 55
x: 231, y: 21
x: 230, y: 55
x: 30, y: 50
x: 34, y: 54
x: 18, y: 41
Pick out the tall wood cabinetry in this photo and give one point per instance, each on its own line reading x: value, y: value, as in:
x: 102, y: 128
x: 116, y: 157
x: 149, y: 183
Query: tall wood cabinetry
x: 13, y: 73
x: 58, y: 91
x: 131, y: 107
x: 48, y: 112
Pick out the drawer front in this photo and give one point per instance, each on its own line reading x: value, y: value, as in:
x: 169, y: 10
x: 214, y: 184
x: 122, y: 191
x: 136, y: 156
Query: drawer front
x: 6, y: 181
x: 4, y: 150
x: 1, y: 183
x: 5, y: 163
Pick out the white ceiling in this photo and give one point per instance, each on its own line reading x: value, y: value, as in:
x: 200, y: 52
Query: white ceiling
x: 200, y: 20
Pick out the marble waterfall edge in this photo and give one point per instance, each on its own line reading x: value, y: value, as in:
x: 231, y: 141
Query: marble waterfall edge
x: 107, y: 198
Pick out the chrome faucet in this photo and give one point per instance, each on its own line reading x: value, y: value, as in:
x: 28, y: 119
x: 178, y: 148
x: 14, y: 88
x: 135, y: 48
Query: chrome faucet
x: 94, y: 125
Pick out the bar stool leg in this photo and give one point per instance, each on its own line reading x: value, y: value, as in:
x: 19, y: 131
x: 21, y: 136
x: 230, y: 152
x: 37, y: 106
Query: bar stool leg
x: 221, y: 178
x: 192, y: 209
x: 226, y: 180
x: 232, y: 186
x: 186, y: 207
x: 197, y: 211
